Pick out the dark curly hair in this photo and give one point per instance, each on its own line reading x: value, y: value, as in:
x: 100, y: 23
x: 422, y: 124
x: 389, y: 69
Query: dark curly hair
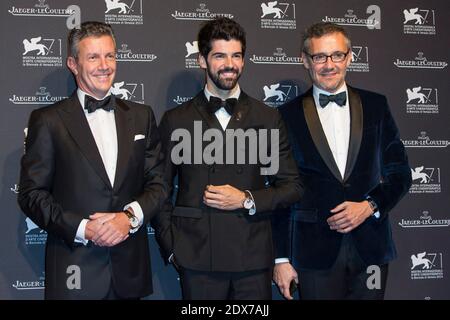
x: 219, y: 29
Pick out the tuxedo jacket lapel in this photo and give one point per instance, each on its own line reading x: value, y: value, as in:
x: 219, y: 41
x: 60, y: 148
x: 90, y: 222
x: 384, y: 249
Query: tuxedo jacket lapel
x: 240, y: 112
x: 125, y: 140
x: 320, y: 140
x: 318, y: 135
x: 200, y: 103
x: 75, y: 121
x: 356, y: 128
x: 236, y: 120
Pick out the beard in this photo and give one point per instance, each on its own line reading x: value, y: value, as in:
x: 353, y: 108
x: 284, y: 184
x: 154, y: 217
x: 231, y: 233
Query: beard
x: 224, y: 83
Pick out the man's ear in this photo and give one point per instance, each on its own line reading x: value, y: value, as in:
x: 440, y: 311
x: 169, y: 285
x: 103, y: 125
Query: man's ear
x: 72, y: 65
x: 305, y: 60
x: 202, y: 61
x: 349, y: 57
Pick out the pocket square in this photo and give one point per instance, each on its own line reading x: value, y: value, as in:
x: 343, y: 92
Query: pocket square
x: 139, y: 137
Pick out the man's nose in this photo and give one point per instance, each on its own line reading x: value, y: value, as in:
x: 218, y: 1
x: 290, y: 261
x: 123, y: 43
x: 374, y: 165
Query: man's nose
x: 104, y: 64
x: 329, y: 64
x: 229, y: 61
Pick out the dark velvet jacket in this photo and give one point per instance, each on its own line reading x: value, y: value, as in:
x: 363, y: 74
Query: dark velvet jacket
x: 377, y: 166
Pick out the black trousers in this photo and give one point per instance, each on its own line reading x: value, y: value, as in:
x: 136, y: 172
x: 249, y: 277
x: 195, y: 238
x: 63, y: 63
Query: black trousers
x: 348, y: 279
x: 206, y: 285
x: 113, y: 295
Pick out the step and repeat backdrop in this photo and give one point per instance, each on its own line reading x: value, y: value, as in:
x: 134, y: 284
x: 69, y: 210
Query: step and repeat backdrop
x: 400, y: 49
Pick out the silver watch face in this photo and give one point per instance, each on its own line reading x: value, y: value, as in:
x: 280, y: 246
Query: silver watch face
x: 134, y: 222
x: 248, y: 203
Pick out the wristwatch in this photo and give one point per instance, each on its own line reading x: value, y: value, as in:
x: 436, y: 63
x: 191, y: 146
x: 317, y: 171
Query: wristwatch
x: 372, y: 204
x: 249, y: 203
x: 134, y: 221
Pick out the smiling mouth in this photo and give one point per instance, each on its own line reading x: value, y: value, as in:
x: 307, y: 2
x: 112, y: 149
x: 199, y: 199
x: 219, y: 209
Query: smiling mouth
x: 103, y: 76
x: 328, y: 75
x: 228, y: 74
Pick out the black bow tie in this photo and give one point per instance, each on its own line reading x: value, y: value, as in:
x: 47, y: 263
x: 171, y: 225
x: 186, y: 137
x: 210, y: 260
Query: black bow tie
x: 91, y: 104
x: 340, y: 99
x: 217, y: 103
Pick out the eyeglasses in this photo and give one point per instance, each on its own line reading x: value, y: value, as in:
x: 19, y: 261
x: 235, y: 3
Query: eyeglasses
x: 322, y: 58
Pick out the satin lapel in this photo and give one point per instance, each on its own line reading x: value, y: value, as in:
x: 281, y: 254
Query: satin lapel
x: 356, y: 128
x: 125, y: 140
x: 317, y: 134
x: 237, y: 119
x: 200, y: 103
x: 240, y: 112
x: 75, y: 121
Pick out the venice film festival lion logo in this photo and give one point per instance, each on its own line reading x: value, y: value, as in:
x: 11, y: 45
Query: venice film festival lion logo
x: 418, y: 174
x: 414, y: 94
x: 270, y: 8
x: 129, y: 91
x: 276, y: 94
x: 413, y: 15
x: 419, y: 259
x: 116, y: 4
x: 273, y: 91
x: 34, y: 45
x: 191, y: 48
x: 118, y: 90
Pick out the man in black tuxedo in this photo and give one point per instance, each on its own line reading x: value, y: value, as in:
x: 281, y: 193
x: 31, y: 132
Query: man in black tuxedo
x: 218, y: 235
x: 354, y: 169
x: 91, y: 176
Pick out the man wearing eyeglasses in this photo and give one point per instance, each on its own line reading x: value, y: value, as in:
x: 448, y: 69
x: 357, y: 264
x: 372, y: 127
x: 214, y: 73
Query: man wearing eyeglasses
x: 354, y: 169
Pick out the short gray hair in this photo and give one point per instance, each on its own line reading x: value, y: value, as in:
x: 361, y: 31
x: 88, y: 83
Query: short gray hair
x: 320, y: 29
x: 87, y: 29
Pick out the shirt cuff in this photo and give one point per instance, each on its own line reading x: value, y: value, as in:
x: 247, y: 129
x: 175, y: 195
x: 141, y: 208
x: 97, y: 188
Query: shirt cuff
x: 281, y: 260
x: 376, y: 214
x: 137, y: 210
x: 80, y: 236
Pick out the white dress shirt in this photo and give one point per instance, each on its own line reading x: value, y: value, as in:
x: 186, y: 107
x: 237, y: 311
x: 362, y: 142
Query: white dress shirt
x: 335, y: 120
x: 103, y: 127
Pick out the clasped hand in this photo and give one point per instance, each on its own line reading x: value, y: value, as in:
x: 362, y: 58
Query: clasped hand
x: 107, y: 229
x: 348, y: 215
x: 224, y: 197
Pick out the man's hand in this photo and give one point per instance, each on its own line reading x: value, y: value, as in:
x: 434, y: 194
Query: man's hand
x: 283, y: 274
x: 94, y: 225
x: 112, y: 231
x: 223, y: 197
x: 349, y: 215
